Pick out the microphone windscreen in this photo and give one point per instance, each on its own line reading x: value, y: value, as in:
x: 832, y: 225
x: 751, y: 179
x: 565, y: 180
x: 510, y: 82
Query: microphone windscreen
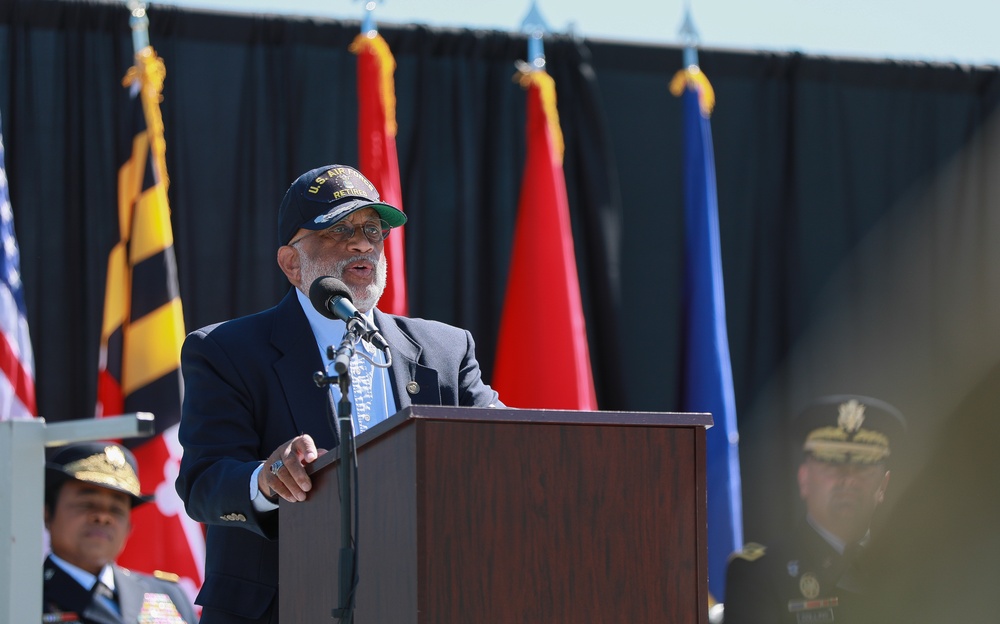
x: 324, y: 289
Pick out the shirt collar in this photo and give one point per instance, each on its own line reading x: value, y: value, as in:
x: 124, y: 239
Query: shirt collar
x: 81, y: 576
x: 314, y: 315
x: 328, y: 332
x: 834, y: 541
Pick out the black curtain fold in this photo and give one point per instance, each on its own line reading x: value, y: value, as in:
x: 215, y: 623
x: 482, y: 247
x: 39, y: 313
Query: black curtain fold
x: 821, y: 162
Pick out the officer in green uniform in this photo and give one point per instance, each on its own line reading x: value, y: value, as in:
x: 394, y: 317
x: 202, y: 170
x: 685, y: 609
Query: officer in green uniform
x: 814, y: 574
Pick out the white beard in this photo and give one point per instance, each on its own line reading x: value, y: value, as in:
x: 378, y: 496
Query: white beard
x: 364, y: 298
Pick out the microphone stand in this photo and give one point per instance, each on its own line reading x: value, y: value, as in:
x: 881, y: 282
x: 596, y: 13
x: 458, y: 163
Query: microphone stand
x: 346, y: 565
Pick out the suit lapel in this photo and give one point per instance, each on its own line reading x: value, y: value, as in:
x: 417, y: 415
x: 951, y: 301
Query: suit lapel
x: 300, y: 359
x: 310, y: 407
x: 62, y: 592
x: 100, y: 613
x: 412, y: 383
x: 130, y: 594
x: 404, y: 356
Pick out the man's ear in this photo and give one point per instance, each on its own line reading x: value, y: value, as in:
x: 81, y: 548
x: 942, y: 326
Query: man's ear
x: 288, y: 261
x: 803, y: 478
x: 880, y: 493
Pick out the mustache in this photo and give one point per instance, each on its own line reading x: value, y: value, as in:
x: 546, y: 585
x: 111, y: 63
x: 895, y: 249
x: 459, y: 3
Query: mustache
x: 343, y: 264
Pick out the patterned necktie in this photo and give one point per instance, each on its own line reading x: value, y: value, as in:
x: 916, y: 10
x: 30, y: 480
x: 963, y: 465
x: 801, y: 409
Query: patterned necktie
x: 362, y: 374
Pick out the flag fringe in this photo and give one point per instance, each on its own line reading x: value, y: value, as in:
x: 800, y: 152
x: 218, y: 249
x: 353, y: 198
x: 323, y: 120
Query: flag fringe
x: 376, y: 46
x: 693, y: 78
x: 546, y: 86
x: 149, y: 73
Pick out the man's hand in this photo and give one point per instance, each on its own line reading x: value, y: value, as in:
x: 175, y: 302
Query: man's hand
x: 284, y: 472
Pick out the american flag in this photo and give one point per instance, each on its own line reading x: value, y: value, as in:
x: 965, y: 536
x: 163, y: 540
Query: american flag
x: 17, y: 363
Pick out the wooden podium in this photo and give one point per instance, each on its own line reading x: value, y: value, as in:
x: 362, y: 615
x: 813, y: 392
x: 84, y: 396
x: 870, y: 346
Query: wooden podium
x: 479, y: 516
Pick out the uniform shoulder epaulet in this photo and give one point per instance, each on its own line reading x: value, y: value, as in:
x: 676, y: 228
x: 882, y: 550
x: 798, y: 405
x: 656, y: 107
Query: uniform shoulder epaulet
x: 166, y: 576
x: 751, y: 552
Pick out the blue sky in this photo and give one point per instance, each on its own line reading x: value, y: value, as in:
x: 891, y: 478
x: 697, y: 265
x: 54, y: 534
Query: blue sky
x: 963, y: 31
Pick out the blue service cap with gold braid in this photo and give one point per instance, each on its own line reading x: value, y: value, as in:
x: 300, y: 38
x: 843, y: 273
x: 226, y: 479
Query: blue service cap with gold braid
x: 325, y: 195
x: 850, y: 429
x: 105, y: 464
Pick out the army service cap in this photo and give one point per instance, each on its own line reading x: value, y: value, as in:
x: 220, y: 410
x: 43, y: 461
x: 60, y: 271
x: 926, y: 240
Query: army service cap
x: 850, y: 429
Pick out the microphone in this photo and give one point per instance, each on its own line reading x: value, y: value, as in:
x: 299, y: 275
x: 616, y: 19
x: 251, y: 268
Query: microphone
x: 332, y: 299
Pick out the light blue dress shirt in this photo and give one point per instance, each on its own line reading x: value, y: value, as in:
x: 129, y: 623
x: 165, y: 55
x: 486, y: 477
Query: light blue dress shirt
x: 330, y: 332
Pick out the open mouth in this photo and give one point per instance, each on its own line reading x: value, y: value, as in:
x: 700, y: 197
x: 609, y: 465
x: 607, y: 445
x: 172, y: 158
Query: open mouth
x: 360, y: 268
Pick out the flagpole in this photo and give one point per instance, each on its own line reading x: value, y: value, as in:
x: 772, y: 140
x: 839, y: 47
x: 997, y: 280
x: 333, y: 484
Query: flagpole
x: 535, y: 26
x: 708, y: 371
x: 139, y: 23
x: 689, y: 37
x: 368, y: 26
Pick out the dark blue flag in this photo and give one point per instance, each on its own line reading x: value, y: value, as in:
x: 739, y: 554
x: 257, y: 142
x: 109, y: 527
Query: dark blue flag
x: 708, y: 378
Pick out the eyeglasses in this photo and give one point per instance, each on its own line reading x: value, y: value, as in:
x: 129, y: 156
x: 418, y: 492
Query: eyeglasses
x: 342, y: 231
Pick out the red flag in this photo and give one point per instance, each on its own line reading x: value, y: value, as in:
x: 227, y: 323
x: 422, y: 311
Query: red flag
x: 377, y: 158
x: 142, y: 334
x: 17, y: 362
x: 542, y: 356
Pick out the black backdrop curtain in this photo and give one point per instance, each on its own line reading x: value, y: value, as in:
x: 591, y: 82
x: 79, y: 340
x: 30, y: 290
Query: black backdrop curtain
x: 857, y: 199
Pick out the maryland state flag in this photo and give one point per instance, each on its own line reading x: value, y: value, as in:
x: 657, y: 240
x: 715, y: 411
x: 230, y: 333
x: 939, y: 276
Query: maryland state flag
x: 377, y: 158
x: 543, y: 360
x: 142, y: 335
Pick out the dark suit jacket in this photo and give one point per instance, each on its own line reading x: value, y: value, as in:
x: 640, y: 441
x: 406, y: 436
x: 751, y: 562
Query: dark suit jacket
x: 248, y: 389
x: 799, y: 579
x: 138, y: 595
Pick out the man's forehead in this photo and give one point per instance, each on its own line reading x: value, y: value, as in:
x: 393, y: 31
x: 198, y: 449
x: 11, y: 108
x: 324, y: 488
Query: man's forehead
x: 831, y: 466
x: 89, y: 490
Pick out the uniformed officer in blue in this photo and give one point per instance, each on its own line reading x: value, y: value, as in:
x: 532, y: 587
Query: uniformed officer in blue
x: 815, y: 573
x: 90, y: 491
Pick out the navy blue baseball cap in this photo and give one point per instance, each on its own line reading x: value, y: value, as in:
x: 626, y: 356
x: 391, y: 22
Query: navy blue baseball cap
x: 325, y: 195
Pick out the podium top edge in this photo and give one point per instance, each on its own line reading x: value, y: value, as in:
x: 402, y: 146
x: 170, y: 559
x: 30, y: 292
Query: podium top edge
x: 505, y: 415
x: 553, y: 416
